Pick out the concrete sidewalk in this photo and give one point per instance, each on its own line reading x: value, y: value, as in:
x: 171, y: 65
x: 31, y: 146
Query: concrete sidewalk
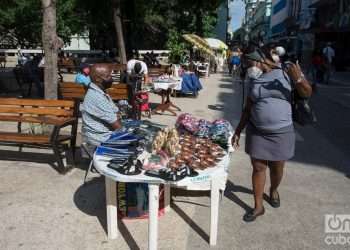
x: 41, y: 209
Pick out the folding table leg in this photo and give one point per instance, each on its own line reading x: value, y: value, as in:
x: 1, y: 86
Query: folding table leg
x: 111, y: 204
x: 214, y: 211
x: 167, y: 198
x: 153, y: 199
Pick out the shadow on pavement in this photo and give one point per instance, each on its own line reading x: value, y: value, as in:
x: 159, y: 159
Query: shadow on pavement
x: 326, y: 144
x: 90, y: 199
x: 226, y: 85
x: 47, y: 158
x: 227, y: 100
x: 230, y: 191
x: 190, y: 222
x: 226, y: 79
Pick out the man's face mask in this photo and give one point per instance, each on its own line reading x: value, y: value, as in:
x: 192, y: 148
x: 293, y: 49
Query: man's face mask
x: 254, y: 72
x: 107, y: 83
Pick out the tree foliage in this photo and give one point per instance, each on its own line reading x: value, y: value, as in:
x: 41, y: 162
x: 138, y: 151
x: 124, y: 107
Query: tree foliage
x: 21, y: 21
x: 148, y: 24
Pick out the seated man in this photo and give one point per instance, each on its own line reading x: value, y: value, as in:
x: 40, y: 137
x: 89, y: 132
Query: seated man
x: 141, y: 70
x: 99, y: 113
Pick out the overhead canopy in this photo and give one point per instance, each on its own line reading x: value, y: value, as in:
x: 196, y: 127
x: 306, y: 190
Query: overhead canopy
x: 216, y: 43
x: 199, y: 42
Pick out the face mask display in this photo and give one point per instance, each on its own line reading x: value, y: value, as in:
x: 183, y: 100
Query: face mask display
x: 254, y: 72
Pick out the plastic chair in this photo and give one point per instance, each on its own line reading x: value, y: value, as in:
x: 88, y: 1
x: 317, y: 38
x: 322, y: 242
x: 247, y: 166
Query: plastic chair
x: 90, y: 154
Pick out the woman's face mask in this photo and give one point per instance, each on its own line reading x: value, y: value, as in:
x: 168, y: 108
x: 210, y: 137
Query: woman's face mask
x: 276, y: 58
x: 254, y: 72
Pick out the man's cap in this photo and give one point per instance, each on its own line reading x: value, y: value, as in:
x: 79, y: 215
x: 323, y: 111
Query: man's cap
x: 84, y: 65
x: 254, y: 56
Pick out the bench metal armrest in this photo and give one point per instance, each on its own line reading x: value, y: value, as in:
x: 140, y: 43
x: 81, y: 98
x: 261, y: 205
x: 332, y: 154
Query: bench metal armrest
x: 57, y: 128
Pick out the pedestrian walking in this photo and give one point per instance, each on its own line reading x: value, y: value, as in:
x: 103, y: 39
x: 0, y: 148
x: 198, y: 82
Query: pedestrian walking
x: 318, y: 67
x: 267, y: 117
x: 328, y: 54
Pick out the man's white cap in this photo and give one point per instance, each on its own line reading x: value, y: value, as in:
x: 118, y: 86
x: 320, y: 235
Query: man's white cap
x: 280, y: 51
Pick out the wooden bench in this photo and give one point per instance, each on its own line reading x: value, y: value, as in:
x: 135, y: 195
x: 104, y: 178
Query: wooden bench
x: 66, y: 63
x: 156, y: 72
x: 71, y: 91
x: 58, y: 113
x: 2, y: 61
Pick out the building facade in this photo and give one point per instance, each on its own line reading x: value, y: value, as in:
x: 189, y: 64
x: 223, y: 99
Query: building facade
x: 221, y: 30
x: 331, y: 23
x: 279, y: 16
x: 260, y: 28
x: 256, y: 24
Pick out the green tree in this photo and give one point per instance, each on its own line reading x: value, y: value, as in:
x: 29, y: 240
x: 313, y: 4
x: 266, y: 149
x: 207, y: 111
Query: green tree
x: 176, y: 46
x: 21, y: 21
x: 146, y: 24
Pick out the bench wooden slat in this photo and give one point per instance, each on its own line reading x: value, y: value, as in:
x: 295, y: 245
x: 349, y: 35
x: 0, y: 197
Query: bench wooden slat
x: 116, y: 91
x: 70, y: 85
x: 118, y: 67
x: 36, y: 111
x: 72, y: 96
x: 118, y: 97
x: 81, y: 91
x: 33, y: 119
x: 120, y: 86
x: 36, y: 102
x: 69, y: 90
x: 28, y: 138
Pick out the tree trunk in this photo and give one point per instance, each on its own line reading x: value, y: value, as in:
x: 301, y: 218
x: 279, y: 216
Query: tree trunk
x: 199, y: 18
x: 51, y: 43
x: 119, y: 29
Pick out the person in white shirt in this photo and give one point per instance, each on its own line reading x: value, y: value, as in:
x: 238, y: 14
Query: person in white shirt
x: 328, y: 54
x: 130, y: 67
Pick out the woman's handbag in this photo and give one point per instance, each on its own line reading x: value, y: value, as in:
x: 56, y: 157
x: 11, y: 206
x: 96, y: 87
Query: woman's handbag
x: 303, y: 113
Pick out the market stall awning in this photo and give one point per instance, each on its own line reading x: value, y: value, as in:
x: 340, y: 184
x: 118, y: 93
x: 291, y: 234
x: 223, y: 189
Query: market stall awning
x: 199, y: 42
x: 216, y: 43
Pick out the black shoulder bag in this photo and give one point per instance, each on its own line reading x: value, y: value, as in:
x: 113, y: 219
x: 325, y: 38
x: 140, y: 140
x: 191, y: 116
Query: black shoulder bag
x: 302, y: 112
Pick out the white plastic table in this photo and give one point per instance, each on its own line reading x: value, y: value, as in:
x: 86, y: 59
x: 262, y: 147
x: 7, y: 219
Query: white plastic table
x: 213, y: 179
x: 165, y: 86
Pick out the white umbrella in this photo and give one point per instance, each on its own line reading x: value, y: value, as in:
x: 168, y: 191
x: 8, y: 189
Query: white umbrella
x: 216, y: 43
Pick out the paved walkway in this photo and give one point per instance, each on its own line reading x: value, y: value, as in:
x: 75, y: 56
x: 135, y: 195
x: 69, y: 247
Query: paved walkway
x: 41, y: 209
x: 341, y: 78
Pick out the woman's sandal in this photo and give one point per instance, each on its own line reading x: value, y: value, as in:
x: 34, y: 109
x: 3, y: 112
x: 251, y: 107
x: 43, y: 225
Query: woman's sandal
x: 251, y: 216
x: 275, y: 202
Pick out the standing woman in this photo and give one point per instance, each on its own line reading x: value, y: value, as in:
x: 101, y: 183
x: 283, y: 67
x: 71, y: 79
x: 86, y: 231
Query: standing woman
x: 270, y: 138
